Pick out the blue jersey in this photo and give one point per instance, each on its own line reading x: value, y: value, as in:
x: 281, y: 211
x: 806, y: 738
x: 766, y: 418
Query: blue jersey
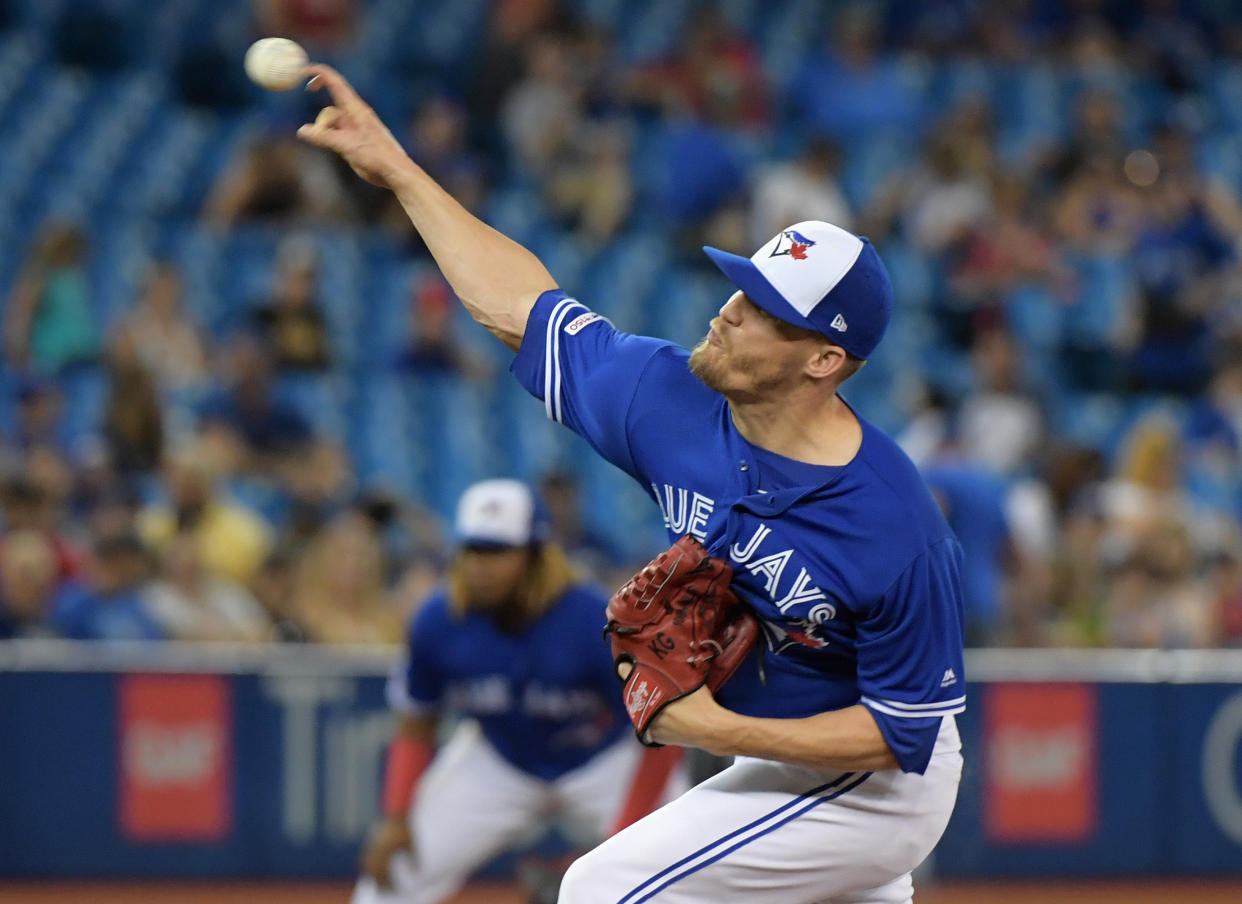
x: 852, y: 570
x: 546, y: 697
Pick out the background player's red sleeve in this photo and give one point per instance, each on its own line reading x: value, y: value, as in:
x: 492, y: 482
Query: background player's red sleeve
x: 655, y: 768
x: 408, y: 759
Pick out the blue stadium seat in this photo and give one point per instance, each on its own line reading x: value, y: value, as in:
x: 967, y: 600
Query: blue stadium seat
x: 1107, y: 289
x: 909, y: 273
x: 1089, y: 419
x: 380, y: 440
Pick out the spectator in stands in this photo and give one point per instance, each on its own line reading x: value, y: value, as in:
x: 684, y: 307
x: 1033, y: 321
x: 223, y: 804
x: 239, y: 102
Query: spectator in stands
x: 115, y: 510
x: 133, y: 422
x: 233, y: 541
x: 586, y: 547
x: 1096, y: 211
x: 1001, y: 422
x: 412, y: 544
x: 39, y: 416
x: 605, y: 91
x: 1181, y: 253
x: 276, y: 181
x: 29, y: 576
x: 1213, y: 434
x: 111, y: 603
x: 1056, y: 529
x: 438, y: 139
x: 27, y: 507
x: 51, y: 473
x: 1096, y: 135
x: 1080, y: 579
x: 542, y: 113
x: 712, y: 60
x: 291, y: 321
x: 1006, y: 248
x: 341, y: 598
x: 1225, y: 581
x: 939, y: 202
x: 249, y: 432
x: 1156, y: 599
x: 320, y: 25
x: 49, y: 325
x: 592, y: 192
x: 433, y: 346
x: 701, y: 178
x: 1174, y: 42
x: 1146, y: 491
x: 849, y: 90
x: 801, y: 189
x: 501, y: 61
x: 275, y: 589
x: 247, y: 429
x: 167, y: 340
x: 193, y: 604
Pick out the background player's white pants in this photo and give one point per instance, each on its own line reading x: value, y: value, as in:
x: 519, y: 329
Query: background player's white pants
x: 472, y: 805
x: 767, y: 832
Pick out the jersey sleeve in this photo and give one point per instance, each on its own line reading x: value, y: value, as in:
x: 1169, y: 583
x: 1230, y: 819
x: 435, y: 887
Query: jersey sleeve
x: 417, y: 684
x: 585, y: 371
x: 910, y: 667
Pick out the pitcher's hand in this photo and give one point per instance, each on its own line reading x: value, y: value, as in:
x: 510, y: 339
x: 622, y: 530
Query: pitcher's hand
x: 350, y: 128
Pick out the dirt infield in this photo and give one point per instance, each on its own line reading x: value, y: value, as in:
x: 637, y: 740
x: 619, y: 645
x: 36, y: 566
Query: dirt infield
x: 1052, y: 892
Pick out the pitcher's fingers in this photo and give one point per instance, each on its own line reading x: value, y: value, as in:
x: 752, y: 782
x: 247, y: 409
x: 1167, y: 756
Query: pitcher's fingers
x: 343, y: 94
x: 327, y: 117
x: 322, y: 137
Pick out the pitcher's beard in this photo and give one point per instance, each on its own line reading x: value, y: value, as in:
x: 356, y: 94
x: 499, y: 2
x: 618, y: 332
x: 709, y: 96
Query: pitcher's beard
x: 706, y: 371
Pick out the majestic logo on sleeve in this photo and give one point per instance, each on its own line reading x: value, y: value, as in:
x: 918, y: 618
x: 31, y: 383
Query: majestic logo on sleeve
x: 793, y: 243
x: 574, y: 327
x: 799, y: 626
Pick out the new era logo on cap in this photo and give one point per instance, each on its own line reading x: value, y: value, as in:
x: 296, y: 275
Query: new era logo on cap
x: 819, y: 277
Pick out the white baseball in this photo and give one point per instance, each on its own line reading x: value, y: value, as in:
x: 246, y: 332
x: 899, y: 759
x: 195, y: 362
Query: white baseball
x: 276, y: 64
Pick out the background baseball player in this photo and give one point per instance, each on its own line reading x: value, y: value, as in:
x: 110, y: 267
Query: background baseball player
x: 849, y: 757
x: 512, y: 643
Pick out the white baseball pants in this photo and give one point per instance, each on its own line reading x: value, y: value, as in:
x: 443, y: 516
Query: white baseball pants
x: 777, y: 834
x: 472, y: 805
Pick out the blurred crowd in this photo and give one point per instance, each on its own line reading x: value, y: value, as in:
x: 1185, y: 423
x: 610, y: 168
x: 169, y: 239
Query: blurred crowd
x: 1073, y: 273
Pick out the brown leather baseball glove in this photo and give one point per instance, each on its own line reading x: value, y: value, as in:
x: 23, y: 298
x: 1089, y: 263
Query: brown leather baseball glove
x: 680, y: 627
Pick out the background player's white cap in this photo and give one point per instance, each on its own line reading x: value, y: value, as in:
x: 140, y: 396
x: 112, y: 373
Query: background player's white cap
x: 819, y: 277
x: 500, y: 513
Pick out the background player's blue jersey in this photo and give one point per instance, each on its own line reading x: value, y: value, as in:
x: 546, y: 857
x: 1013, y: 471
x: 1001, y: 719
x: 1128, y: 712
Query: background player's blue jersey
x: 852, y: 570
x: 546, y: 697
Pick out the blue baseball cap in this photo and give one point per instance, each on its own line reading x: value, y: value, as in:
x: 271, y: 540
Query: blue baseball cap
x: 500, y: 514
x: 819, y: 277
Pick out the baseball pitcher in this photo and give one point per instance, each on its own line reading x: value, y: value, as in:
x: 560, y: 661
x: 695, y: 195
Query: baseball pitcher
x: 783, y: 501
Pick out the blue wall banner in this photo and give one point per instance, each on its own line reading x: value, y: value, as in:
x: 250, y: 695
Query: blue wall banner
x: 179, y: 761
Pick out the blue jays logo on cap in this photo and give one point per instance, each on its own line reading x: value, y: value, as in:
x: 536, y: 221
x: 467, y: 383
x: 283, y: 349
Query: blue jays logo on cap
x: 819, y: 277
x: 793, y: 243
x: 500, y: 514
